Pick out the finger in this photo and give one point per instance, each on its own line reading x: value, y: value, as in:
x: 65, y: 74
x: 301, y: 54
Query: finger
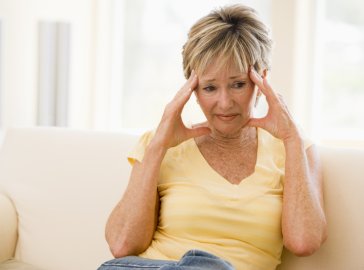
x: 257, y: 79
x: 194, y: 82
x: 190, y: 83
x: 181, y: 98
x: 269, y: 88
x: 263, y: 85
x: 257, y: 122
x: 197, y: 132
x: 186, y: 91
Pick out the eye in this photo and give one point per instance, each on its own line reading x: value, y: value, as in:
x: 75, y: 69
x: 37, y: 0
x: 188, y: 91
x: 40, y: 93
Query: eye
x: 239, y: 85
x: 209, y: 88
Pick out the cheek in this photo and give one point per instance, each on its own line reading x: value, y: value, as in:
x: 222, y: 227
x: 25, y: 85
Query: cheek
x: 248, y: 96
x: 206, y: 104
x: 246, y: 103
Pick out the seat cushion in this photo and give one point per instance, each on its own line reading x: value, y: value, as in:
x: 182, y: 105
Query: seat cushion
x: 17, y: 265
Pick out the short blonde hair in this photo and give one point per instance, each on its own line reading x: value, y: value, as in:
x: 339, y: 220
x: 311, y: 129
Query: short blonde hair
x: 230, y: 34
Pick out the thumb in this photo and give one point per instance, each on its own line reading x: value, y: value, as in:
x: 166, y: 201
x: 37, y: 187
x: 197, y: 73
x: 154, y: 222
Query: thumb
x: 256, y: 122
x: 198, y: 131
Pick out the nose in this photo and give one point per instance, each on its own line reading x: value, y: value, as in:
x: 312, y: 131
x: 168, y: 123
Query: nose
x: 225, y: 100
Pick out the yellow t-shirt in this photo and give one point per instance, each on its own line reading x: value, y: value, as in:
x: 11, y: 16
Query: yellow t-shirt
x: 201, y: 210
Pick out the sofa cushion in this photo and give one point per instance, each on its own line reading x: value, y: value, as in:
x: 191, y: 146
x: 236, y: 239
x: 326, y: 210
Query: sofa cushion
x: 64, y: 184
x: 343, y: 195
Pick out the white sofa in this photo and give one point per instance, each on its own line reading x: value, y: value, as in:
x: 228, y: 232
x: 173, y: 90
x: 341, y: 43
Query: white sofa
x: 57, y: 187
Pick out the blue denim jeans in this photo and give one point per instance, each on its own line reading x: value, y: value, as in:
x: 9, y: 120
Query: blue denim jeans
x: 192, y: 260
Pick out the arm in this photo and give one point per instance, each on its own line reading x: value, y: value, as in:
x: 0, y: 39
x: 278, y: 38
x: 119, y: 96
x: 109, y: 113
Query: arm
x: 131, y: 225
x: 303, y: 218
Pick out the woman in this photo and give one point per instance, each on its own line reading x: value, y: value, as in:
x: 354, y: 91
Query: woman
x: 211, y: 196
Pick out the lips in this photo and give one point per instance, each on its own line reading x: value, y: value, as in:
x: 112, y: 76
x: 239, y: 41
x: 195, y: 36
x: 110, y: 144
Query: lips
x: 226, y: 117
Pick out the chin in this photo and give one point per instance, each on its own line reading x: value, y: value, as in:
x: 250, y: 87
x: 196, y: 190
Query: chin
x: 228, y: 131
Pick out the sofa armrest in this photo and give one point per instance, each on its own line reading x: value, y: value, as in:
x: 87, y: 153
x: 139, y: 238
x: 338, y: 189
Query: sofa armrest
x: 8, y: 228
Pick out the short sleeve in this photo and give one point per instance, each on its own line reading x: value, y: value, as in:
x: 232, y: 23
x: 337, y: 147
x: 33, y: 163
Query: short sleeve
x: 137, y: 153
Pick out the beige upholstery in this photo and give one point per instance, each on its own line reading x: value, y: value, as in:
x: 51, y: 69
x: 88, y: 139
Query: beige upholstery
x: 344, y: 199
x: 17, y: 265
x: 8, y: 228
x: 64, y: 183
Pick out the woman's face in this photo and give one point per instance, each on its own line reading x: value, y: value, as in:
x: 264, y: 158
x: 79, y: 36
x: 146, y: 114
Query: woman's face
x: 227, y: 98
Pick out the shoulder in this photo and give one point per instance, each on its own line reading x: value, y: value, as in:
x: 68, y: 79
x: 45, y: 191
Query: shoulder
x: 271, y: 150
x: 268, y: 142
x: 137, y: 152
x: 173, y: 152
x: 275, y: 144
x: 146, y: 137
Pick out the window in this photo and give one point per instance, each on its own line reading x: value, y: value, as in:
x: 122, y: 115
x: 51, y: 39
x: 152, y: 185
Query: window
x: 0, y: 77
x: 339, y: 111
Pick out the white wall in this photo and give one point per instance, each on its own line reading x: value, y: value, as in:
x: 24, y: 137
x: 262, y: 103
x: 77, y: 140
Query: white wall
x: 293, y: 57
x: 19, y: 57
x: 96, y: 70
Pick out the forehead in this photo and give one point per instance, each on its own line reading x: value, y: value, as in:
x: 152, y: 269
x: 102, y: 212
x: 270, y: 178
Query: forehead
x: 214, y: 70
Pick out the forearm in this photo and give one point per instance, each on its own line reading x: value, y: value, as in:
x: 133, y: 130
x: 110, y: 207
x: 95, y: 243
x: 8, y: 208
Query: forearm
x: 131, y: 225
x: 303, y: 218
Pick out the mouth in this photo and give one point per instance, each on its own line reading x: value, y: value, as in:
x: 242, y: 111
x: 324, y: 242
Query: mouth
x: 226, y: 117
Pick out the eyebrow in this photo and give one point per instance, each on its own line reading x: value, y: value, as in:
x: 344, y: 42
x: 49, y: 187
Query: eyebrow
x: 231, y: 78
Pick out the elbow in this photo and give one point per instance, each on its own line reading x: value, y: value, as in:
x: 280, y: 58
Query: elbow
x: 306, y: 242
x: 119, y: 250
x: 122, y: 247
x: 301, y: 248
x: 118, y: 244
x: 305, y: 247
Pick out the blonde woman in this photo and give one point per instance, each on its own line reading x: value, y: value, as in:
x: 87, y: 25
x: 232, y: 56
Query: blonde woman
x: 231, y: 192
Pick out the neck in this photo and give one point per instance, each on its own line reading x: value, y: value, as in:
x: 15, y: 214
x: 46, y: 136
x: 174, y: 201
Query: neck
x: 241, y: 139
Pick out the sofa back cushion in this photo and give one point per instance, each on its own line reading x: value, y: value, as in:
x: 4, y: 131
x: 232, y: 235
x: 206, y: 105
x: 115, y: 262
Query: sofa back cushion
x: 344, y: 200
x: 64, y: 184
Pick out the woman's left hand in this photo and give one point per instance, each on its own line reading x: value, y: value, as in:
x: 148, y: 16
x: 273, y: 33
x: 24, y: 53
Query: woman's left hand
x: 278, y: 120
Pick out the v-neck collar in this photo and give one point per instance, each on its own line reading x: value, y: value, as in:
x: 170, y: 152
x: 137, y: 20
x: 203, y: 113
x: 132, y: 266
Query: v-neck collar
x: 222, y: 179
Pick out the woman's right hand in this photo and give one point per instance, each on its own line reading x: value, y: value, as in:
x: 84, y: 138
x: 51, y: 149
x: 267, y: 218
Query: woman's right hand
x: 171, y: 130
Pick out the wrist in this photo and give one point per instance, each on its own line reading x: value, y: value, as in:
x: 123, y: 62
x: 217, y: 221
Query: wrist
x: 292, y: 135
x: 157, y: 148
x: 294, y: 140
